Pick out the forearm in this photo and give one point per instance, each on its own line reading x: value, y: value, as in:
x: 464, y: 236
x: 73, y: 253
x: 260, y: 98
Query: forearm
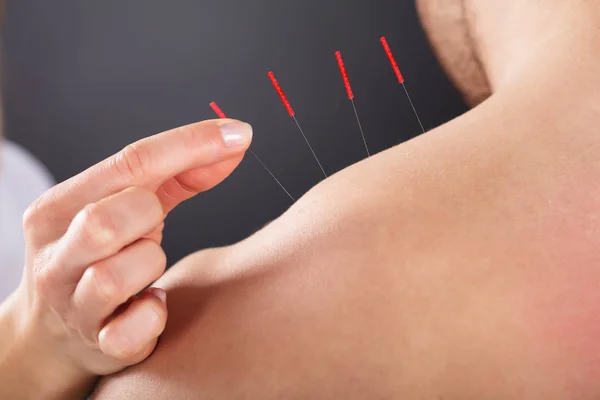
x: 28, y: 367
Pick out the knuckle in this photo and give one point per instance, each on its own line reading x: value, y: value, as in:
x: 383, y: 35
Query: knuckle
x: 96, y: 225
x: 132, y: 161
x: 156, y: 257
x: 188, y: 134
x: 199, y: 136
x: 35, y: 214
x: 148, y: 202
x: 104, y: 282
x: 158, y: 233
x: 111, y: 345
x: 160, y: 259
x: 31, y: 216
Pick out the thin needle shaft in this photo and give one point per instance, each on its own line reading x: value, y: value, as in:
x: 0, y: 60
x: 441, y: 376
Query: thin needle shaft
x: 360, y: 127
x: 309, y: 146
x: 350, y: 93
x: 222, y: 115
x: 413, y: 106
x: 270, y: 173
x: 394, y: 64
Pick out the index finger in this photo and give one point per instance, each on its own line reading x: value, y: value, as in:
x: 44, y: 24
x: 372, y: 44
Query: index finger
x: 150, y: 162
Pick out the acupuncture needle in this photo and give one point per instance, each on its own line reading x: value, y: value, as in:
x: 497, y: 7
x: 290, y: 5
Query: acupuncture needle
x: 222, y: 115
x: 350, y: 93
x: 292, y: 114
x: 394, y: 64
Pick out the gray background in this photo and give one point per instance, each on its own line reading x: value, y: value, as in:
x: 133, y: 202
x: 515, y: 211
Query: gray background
x: 84, y: 78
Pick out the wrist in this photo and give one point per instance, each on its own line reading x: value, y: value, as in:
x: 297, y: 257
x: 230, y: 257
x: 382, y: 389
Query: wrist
x: 31, y: 366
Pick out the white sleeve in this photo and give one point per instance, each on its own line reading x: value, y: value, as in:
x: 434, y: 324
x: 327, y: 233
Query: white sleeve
x: 22, y: 180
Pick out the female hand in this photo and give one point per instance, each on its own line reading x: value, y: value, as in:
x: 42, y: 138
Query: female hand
x: 93, y: 244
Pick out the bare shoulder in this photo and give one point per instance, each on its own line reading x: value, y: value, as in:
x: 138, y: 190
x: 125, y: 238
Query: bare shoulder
x: 289, y: 313
x: 309, y: 307
x: 404, y: 276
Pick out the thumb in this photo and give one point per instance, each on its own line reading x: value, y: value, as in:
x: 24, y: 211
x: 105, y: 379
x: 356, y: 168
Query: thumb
x: 188, y: 184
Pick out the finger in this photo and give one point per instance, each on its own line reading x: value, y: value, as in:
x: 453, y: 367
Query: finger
x: 127, y: 336
x: 110, y: 283
x: 102, y: 229
x: 157, y: 234
x: 188, y: 184
x: 147, y: 163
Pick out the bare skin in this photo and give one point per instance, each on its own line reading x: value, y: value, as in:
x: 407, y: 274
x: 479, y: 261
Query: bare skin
x: 93, y: 244
x: 448, y: 25
x: 460, y: 265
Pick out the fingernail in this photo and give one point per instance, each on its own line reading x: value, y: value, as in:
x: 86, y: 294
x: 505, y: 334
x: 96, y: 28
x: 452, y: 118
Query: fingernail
x: 236, y: 134
x: 161, y: 294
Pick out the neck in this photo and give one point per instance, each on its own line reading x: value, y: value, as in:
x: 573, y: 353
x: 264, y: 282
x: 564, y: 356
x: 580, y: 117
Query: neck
x: 523, y: 39
x: 542, y: 59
